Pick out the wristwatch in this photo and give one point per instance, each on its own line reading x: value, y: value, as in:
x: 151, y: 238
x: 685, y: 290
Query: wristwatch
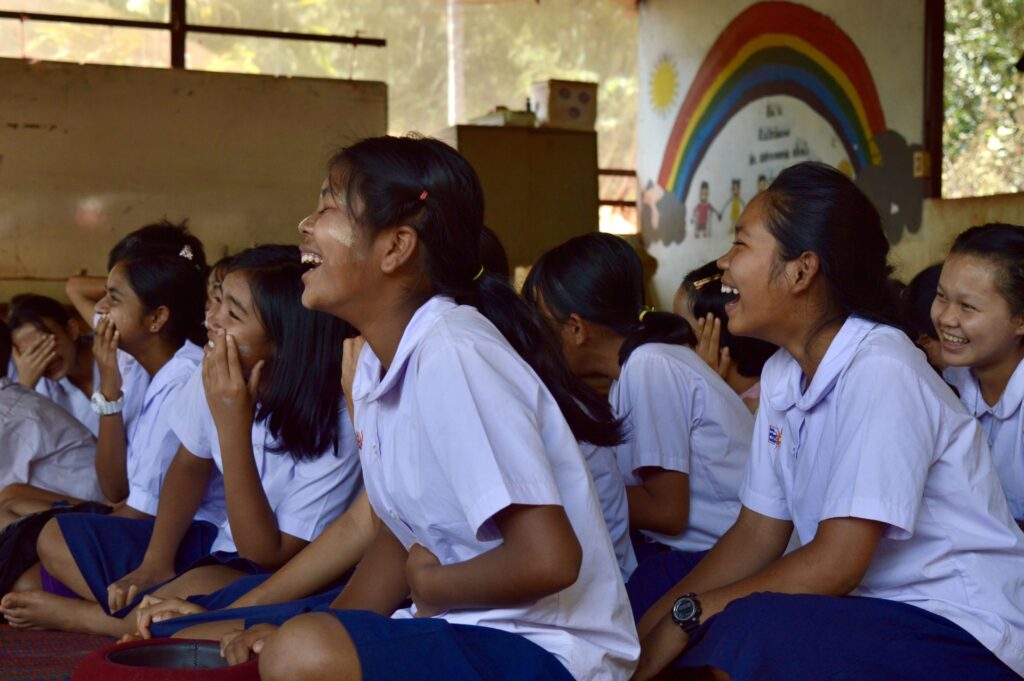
x: 686, y: 612
x: 104, y: 407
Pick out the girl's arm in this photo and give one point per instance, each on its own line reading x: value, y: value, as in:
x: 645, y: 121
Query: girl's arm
x: 378, y: 584
x: 661, y: 503
x: 84, y: 292
x: 833, y: 563
x: 323, y: 561
x: 111, y: 441
x: 539, y: 555
x: 180, y: 496
x: 232, y: 402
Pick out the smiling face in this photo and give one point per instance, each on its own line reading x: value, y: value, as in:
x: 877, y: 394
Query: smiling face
x: 335, y: 248
x: 26, y: 336
x: 238, y: 317
x: 975, y: 324
x: 751, y: 272
x: 125, y: 310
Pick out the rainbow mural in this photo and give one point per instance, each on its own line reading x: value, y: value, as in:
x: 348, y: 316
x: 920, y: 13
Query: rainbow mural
x: 776, y: 48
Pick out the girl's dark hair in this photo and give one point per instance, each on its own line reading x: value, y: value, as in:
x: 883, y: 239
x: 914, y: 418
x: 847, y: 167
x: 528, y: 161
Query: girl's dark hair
x: 1002, y: 245
x: 918, y: 297
x: 427, y: 185
x: 300, y: 386
x: 172, y: 273
x: 812, y: 207
x: 219, y: 269
x: 600, y: 277
x: 492, y: 253
x: 5, y: 348
x: 157, y: 238
x: 704, y: 294
x: 30, y: 308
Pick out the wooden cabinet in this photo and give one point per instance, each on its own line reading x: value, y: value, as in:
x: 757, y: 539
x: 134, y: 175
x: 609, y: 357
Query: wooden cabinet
x: 540, y: 184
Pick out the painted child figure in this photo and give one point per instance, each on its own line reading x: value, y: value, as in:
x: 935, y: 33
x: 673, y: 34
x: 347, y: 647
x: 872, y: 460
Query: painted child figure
x: 702, y: 214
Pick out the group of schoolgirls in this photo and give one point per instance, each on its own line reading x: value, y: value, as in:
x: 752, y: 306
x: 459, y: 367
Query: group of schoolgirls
x: 780, y: 487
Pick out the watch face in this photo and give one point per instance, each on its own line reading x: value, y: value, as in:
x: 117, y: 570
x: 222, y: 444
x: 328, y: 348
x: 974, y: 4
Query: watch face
x: 684, y: 609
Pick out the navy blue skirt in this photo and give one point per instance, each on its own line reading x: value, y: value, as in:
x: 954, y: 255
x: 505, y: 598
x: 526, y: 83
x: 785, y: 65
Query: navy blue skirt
x: 107, y: 548
x: 431, y: 648
x: 218, y: 601
x: 783, y: 636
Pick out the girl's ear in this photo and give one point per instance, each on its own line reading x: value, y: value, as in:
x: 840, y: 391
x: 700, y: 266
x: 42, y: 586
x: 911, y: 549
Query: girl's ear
x: 74, y: 330
x: 804, y: 270
x: 399, y: 247
x: 579, y: 330
x: 158, y: 318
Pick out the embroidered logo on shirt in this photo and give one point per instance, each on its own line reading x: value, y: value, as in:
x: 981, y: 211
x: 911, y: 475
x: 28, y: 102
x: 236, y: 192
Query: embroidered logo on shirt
x: 775, y: 436
x: 359, y: 440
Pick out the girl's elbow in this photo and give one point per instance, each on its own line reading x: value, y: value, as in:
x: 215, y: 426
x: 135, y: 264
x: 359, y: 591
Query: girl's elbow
x: 563, y: 573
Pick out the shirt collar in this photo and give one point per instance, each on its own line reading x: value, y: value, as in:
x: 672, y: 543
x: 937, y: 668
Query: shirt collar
x: 172, y: 368
x: 788, y: 392
x: 970, y: 392
x: 368, y: 381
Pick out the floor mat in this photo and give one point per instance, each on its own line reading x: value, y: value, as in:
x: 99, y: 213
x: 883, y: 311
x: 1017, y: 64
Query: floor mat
x: 43, y: 655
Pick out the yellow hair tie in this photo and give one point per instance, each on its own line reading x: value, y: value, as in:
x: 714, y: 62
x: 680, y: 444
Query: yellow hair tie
x: 479, y: 274
x: 643, y: 312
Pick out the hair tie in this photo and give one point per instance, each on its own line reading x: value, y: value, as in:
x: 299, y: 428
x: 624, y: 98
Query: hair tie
x: 479, y: 274
x: 643, y: 312
x: 186, y: 252
x: 423, y: 195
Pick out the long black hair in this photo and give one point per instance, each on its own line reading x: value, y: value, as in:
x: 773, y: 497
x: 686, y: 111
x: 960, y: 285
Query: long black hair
x: 704, y: 294
x: 156, y: 238
x: 600, y: 277
x: 300, y: 386
x: 429, y: 186
x: 1003, y: 246
x: 171, y: 272
x: 35, y: 310
x: 812, y: 207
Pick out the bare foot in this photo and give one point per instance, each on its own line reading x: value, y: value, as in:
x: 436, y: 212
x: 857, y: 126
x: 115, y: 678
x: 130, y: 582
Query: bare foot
x: 42, y: 610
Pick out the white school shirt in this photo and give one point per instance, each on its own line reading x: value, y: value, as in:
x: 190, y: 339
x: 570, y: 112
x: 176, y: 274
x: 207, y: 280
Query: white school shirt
x: 151, y: 442
x: 44, y: 446
x: 1003, y: 424
x: 611, y: 494
x: 305, y: 496
x: 878, y: 435
x: 683, y: 417
x: 134, y: 380
x: 460, y: 428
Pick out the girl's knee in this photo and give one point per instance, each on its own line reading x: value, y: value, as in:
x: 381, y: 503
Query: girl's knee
x: 313, y: 646
x: 50, y: 546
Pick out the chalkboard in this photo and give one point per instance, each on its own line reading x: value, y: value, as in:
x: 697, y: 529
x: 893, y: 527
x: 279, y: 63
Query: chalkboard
x: 89, y: 153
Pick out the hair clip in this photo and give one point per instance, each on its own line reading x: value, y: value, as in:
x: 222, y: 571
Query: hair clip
x: 701, y: 283
x: 423, y: 195
x: 186, y: 252
x: 479, y: 274
x: 643, y: 312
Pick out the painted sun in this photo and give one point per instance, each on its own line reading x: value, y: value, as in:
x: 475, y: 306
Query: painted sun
x: 664, y: 85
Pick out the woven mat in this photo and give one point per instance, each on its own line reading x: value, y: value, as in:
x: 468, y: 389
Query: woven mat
x: 43, y: 655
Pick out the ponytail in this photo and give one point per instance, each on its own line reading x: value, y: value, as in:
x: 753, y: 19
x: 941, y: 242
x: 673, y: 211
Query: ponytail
x: 600, y: 278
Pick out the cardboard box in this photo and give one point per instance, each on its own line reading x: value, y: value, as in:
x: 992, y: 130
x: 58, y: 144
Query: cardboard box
x: 565, y: 104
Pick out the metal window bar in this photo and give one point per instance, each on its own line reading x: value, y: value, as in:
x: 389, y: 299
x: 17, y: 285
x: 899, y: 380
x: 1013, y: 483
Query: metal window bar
x: 180, y: 28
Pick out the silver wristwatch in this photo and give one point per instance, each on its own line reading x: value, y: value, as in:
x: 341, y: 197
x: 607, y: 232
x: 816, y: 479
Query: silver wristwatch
x: 104, y: 407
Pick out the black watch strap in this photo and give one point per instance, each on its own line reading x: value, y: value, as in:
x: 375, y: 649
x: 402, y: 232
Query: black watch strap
x: 686, y: 612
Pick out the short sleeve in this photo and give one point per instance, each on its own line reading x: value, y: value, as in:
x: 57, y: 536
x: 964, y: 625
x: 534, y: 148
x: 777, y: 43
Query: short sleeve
x: 762, y: 490
x: 661, y: 402
x: 884, y: 444
x: 479, y: 408
x: 190, y: 419
x: 321, y: 490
